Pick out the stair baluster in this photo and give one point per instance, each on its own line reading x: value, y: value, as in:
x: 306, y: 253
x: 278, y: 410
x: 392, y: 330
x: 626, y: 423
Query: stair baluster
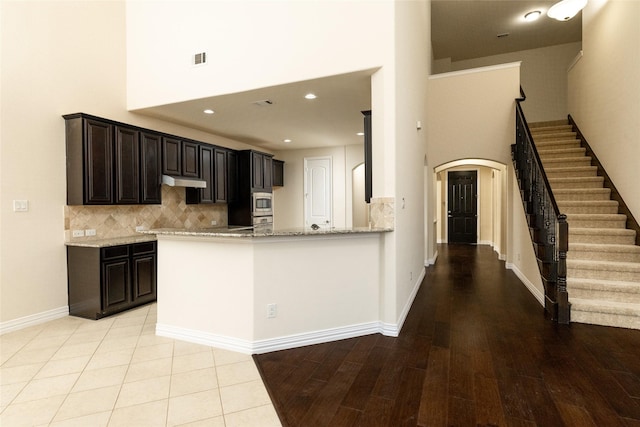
x: 548, y: 227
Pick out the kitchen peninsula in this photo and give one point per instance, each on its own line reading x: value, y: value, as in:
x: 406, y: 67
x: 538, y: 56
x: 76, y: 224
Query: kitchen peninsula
x: 255, y: 292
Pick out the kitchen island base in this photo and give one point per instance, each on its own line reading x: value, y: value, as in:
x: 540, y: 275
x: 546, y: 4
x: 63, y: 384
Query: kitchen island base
x: 260, y: 294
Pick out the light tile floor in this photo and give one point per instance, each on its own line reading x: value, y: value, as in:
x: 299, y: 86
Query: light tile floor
x: 117, y: 372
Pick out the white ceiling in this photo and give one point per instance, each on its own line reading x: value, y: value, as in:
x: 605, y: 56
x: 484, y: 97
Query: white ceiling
x: 461, y: 29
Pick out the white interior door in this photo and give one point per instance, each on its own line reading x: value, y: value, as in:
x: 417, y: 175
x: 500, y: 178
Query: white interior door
x: 317, y: 192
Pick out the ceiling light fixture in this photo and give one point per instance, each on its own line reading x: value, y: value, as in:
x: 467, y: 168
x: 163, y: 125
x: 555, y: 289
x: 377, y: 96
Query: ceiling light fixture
x: 208, y: 111
x: 532, y: 16
x: 310, y: 96
x: 360, y: 133
x: 566, y: 9
x: 286, y: 140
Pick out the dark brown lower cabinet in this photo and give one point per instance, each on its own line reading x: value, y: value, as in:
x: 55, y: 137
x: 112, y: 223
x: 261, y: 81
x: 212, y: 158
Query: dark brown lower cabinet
x: 108, y: 280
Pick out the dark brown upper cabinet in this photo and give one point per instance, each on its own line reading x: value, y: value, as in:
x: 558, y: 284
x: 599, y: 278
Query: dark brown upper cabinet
x: 151, y: 164
x: 278, y: 173
x: 180, y: 158
x: 110, y: 162
x: 232, y: 176
x: 260, y: 169
x: 127, y: 165
x: 221, y: 176
x: 207, y: 194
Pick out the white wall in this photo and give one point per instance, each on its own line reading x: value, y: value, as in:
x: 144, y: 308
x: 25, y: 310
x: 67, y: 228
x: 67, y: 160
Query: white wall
x: 57, y: 58
x: 472, y: 114
x: 543, y: 76
x: 604, y: 90
x: 251, y: 45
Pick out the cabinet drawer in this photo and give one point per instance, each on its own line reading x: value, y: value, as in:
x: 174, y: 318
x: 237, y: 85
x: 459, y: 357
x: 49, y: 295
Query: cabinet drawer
x: 144, y: 248
x: 115, y: 252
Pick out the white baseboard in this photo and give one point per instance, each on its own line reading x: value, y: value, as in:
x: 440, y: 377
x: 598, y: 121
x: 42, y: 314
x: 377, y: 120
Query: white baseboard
x: 431, y: 261
x: 271, y: 344
x: 535, y: 291
x: 295, y: 340
x: 33, y: 319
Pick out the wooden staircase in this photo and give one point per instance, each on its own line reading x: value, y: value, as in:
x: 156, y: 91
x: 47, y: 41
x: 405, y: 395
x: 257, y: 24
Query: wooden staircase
x: 603, y: 262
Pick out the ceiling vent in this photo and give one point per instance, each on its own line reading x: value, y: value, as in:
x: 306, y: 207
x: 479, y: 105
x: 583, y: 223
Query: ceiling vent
x: 263, y: 103
x: 502, y: 35
x: 200, y: 58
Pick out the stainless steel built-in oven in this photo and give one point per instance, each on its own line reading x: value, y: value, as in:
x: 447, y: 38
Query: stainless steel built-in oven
x: 261, y: 204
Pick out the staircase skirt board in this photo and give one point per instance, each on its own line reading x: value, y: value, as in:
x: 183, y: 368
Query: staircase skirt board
x: 603, y: 262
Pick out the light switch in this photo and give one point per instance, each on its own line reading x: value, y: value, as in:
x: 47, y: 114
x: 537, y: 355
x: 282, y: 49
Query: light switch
x: 20, y: 205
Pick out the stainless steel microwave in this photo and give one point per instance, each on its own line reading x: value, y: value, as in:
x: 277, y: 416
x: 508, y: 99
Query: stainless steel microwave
x: 262, y: 204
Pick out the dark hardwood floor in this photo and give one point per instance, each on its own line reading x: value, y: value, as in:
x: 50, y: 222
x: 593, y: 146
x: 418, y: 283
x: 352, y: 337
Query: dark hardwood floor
x: 475, y: 350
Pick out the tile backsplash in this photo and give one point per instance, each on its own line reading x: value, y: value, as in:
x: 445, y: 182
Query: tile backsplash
x: 382, y: 212
x: 121, y: 220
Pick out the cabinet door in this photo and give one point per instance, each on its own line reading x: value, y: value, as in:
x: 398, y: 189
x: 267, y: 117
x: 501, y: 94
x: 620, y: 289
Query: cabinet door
x: 151, y: 173
x: 127, y: 166
x: 278, y: 173
x: 144, y: 278
x: 220, y: 181
x: 268, y: 174
x: 98, y: 152
x: 171, y: 156
x: 115, y: 285
x: 257, y: 171
x: 190, y: 159
x: 207, y: 194
x: 232, y: 176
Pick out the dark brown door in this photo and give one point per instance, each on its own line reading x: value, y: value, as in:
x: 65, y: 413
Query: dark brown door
x: 462, y: 213
x: 99, y: 163
x: 220, y: 176
x: 232, y: 176
x: 171, y: 156
x: 257, y: 175
x: 190, y: 159
x: 144, y: 278
x: 127, y: 162
x: 151, y: 163
x: 206, y: 165
x: 115, y: 279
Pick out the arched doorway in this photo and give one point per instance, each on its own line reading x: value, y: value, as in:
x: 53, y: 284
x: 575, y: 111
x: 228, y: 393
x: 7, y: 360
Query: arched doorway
x: 491, y: 201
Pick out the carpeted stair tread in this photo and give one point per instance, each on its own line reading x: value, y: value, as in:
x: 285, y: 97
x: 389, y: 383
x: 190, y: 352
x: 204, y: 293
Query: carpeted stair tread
x: 536, y: 129
x: 597, y: 220
x: 571, y: 171
x: 548, y: 123
x: 604, y: 252
x: 611, y: 307
x: 545, y: 136
x: 606, y: 270
x: 561, y: 153
x: 621, y: 236
x: 566, y: 162
x: 582, y: 194
x: 604, y: 285
x: 576, y: 182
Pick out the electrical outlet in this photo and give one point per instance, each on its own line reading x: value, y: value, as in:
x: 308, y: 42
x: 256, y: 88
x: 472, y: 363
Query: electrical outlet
x: 20, y: 205
x: 214, y: 222
x: 90, y: 232
x: 78, y: 233
x: 272, y: 310
x: 518, y: 257
x: 139, y: 227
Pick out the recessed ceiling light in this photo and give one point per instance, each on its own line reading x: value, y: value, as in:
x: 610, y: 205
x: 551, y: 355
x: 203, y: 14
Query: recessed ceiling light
x: 286, y: 140
x: 208, y: 111
x: 310, y: 96
x: 532, y: 16
x: 360, y: 133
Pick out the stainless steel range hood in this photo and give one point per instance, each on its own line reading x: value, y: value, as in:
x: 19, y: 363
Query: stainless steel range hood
x: 178, y: 181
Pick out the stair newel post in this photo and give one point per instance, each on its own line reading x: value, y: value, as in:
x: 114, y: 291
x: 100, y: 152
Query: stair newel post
x: 564, y: 306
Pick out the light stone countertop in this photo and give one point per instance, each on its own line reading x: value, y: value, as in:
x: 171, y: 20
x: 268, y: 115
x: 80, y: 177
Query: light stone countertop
x: 240, y: 232
x: 114, y: 241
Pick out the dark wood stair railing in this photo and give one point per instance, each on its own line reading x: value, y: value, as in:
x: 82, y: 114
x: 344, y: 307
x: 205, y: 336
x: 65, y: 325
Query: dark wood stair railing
x: 548, y: 227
